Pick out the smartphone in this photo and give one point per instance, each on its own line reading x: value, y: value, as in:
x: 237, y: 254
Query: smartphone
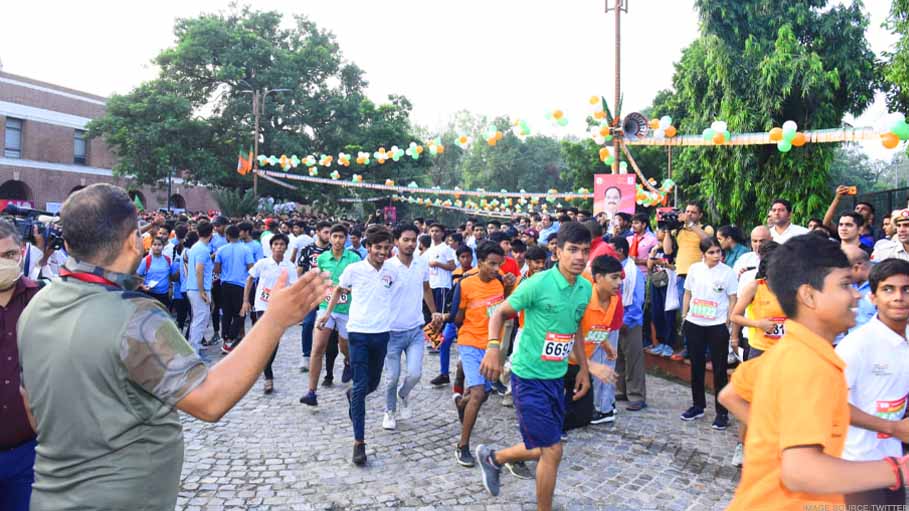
x: 853, y: 190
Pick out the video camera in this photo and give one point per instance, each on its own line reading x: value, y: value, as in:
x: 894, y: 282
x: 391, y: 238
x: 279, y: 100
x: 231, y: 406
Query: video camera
x: 26, y: 219
x: 669, y: 220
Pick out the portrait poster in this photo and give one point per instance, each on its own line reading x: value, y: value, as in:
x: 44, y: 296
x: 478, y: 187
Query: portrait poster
x: 613, y: 193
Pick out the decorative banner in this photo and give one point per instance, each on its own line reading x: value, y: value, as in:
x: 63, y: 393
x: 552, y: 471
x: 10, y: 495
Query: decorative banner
x: 613, y: 193
x: 845, y: 134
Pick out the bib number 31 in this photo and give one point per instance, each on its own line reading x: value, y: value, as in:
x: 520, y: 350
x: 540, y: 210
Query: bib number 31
x: 556, y: 347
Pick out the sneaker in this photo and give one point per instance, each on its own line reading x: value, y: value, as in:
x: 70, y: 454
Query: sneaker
x: 304, y: 365
x: 489, y: 470
x: 721, y: 422
x: 692, y: 413
x: 359, y: 454
x: 499, y: 388
x: 406, y: 412
x: 739, y: 457
x: 269, y: 386
x: 603, y: 418
x: 636, y: 406
x: 508, y: 400
x: 440, y: 380
x: 346, y: 374
x: 433, y: 351
x: 665, y: 350
x: 564, y: 438
x: 310, y: 399
x: 205, y: 342
x: 465, y: 459
x: 216, y: 338
x: 682, y: 355
x: 227, y: 347
x: 457, y: 402
x: 328, y: 381
x: 520, y: 470
x: 388, y: 422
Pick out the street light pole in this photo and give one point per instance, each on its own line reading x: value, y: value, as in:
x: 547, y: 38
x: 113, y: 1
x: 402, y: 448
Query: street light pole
x: 620, y: 5
x: 258, y: 108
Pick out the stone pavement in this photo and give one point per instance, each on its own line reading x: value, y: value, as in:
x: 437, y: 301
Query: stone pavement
x: 272, y: 453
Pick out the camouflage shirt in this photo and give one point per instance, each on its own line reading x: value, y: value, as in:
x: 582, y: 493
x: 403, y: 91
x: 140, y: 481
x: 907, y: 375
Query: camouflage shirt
x: 104, y: 367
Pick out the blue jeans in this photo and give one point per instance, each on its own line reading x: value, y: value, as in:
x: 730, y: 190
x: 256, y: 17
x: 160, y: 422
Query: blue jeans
x: 16, y: 477
x: 680, y: 282
x: 367, y: 356
x: 604, y: 393
x: 663, y: 321
x: 410, y: 343
x: 449, y: 334
x: 309, y: 322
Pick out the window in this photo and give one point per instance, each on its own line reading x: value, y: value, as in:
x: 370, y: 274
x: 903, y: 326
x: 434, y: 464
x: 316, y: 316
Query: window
x: 12, y: 141
x: 80, y: 147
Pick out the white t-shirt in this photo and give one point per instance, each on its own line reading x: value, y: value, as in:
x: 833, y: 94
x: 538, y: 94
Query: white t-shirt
x: 371, y: 294
x: 746, y: 260
x: 790, y: 232
x: 267, y: 271
x: 440, y: 253
x: 408, y: 294
x: 710, y: 291
x: 877, y: 374
x: 265, y: 241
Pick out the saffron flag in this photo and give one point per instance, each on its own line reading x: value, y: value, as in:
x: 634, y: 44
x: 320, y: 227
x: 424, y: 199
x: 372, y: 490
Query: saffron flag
x: 243, y: 164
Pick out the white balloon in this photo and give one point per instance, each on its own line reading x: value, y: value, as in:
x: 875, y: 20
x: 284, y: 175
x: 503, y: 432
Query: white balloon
x: 598, y: 139
x: 719, y: 126
x: 659, y: 134
x: 667, y: 119
x: 790, y: 125
x: 663, y: 123
x: 896, y: 117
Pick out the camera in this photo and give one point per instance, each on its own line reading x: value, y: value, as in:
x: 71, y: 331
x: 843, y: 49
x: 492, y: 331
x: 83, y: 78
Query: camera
x: 26, y: 220
x: 669, y: 220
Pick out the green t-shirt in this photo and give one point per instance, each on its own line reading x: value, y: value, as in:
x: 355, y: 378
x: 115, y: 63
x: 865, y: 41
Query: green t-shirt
x: 335, y: 267
x: 103, y: 369
x: 552, y: 311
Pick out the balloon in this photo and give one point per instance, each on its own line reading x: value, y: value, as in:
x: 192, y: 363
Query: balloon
x: 623, y: 167
x: 790, y: 125
x: 608, y: 138
x: 799, y: 139
x: 718, y: 126
x: 604, y: 152
x: 727, y: 135
x: 491, y: 141
x: 670, y: 132
x: 609, y: 160
x: 776, y: 134
x: 709, y: 133
x: 789, y: 134
x: 563, y: 121
x: 558, y: 114
x: 604, y: 131
x: 499, y: 135
x: 890, y: 140
x: 594, y: 100
x: 719, y: 138
x: 901, y: 129
x: 599, y: 114
x: 665, y: 120
x: 654, y: 124
x: 440, y: 149
x: 659, y: 134
x: 784, y: 146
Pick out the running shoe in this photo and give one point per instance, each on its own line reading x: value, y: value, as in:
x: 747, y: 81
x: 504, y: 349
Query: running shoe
x: 346, y: 374
x: 721, y: 422
x: 665, y: 350
x: 636, y: 406
x: 508, y: 400
x: 440, y: 380
x: 404, y: 405
x: 489, y: 470
x: 227, y: 347
x: 465, y: 459
x: 739, y: 457
x: 328, y: 381
x: 499, y: 388
x: 304, y: 365
x: 359, y: 454
x: 603, y: 418
x: 388, y: 422
x: 216, y: 338
x: 520, y: 470
x: 692, y: 413
x: 310, y: 399
x: 269, y: 386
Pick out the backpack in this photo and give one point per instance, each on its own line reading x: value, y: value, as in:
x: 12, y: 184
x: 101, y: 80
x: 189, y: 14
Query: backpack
x: 148, y: 261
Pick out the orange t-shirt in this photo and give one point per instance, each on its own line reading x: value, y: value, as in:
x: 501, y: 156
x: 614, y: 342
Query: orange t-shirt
x: 478, y: 300
x: 597, y: 323
x: 766, y: 306
x: 798, y: 398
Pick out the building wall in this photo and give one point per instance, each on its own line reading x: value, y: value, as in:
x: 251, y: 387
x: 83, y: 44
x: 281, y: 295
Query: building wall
x: 51, y: 114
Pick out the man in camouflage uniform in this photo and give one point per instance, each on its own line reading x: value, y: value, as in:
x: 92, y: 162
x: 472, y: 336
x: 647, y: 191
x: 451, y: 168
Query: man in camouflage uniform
x: 104, y: 367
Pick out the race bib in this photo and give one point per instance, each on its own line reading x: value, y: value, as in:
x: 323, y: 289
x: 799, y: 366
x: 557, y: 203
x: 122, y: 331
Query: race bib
x: 889, y: 410
x: 703, y: 309
x: 597, y: 334
x: 342, y: 298
x: 265, y: 294
x: 778, y: 331
x: 556, y: 347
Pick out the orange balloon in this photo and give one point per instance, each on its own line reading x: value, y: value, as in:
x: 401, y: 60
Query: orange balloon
x: 670, y: 132
x: 491, y: 141
x: 599, y: 115
x: 604, y: 152
x: 440, y: 149
x: 462, y: 139
x: 719, y: 138
x: 498, y: 135
x: 890, y: 140
x: 654, y: 124
x: 776, y: 134
x: 799, y: 139
x: 419, y: 149
x: 604, y: 131
x: 594, y: 100
x: 557, y: 114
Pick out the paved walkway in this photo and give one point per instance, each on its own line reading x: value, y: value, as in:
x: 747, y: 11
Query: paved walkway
x: 272, y: 453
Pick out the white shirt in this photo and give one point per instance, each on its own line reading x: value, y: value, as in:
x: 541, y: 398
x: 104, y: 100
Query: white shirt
x: 265, y: 241
x: 746, y: 260
x: 710, y: 291
x: 408, y: 294
x: 790, y: 232
x: 630, y: 281
x: 440, y: 253
x: 371, y: 294
x: 745, y: 278
x: 877, y: 374
x: 34, y: 255
x: 889, y: 249
x: 267, y: 271
x: 55, y: 261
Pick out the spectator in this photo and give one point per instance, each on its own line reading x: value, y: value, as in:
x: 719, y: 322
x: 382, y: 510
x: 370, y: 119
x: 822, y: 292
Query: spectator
x: 733, y: 244
x: 780, y: 217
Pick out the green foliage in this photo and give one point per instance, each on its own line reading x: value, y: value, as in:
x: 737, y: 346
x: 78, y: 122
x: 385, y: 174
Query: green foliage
x: 757, y: 64
x: 235, y: 203
x: 895, y: 68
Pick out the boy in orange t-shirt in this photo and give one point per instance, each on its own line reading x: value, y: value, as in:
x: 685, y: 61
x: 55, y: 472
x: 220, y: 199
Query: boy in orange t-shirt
x: 799, y: 410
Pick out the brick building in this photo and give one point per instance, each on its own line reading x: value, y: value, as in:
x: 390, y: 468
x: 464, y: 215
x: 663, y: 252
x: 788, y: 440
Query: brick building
x: 46, y: 155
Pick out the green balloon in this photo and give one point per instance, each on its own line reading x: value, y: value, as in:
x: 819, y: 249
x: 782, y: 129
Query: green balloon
x: 784, y: 146
x: 609, y: 160
x: 789, y: 134
x: 901, y: 130
x: 727, y: 135
x: 563, y: 122
x: 708, y: 134
x: 608, y: 138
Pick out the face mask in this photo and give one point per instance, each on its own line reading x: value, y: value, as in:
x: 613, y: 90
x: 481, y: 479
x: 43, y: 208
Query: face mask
x: 10, y: 271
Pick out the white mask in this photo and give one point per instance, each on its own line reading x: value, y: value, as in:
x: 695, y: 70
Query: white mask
x: 10, y: 271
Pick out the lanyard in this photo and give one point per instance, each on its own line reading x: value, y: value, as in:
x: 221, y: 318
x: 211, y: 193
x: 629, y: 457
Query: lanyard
x: 91, y: 278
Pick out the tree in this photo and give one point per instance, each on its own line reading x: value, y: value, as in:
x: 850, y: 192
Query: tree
x: 895, y: 68
x: 756, y: 64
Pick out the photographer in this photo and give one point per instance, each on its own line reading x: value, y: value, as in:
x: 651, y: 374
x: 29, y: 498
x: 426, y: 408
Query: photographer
x: 17, y: 437
x: 104, y: 368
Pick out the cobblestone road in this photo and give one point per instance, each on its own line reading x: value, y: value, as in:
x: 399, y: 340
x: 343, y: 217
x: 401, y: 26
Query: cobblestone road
x: 271, y: 453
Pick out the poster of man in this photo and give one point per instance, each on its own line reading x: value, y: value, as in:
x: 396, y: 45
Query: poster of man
x: 613, y: 193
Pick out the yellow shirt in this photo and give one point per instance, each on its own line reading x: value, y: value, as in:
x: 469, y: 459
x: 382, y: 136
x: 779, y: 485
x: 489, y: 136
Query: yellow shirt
x: 689, y: 248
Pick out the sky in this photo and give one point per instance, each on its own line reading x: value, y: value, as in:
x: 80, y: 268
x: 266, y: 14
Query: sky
x: 502, y: 57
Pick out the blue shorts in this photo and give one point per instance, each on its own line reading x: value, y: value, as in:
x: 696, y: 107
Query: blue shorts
x: 471, y: 358
x: 540, y: 407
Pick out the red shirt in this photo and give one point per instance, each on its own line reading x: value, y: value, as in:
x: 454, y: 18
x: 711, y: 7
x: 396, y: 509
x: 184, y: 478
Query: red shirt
x: 15, y: 429
x: 599, y: 247
x: 510, y: 266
